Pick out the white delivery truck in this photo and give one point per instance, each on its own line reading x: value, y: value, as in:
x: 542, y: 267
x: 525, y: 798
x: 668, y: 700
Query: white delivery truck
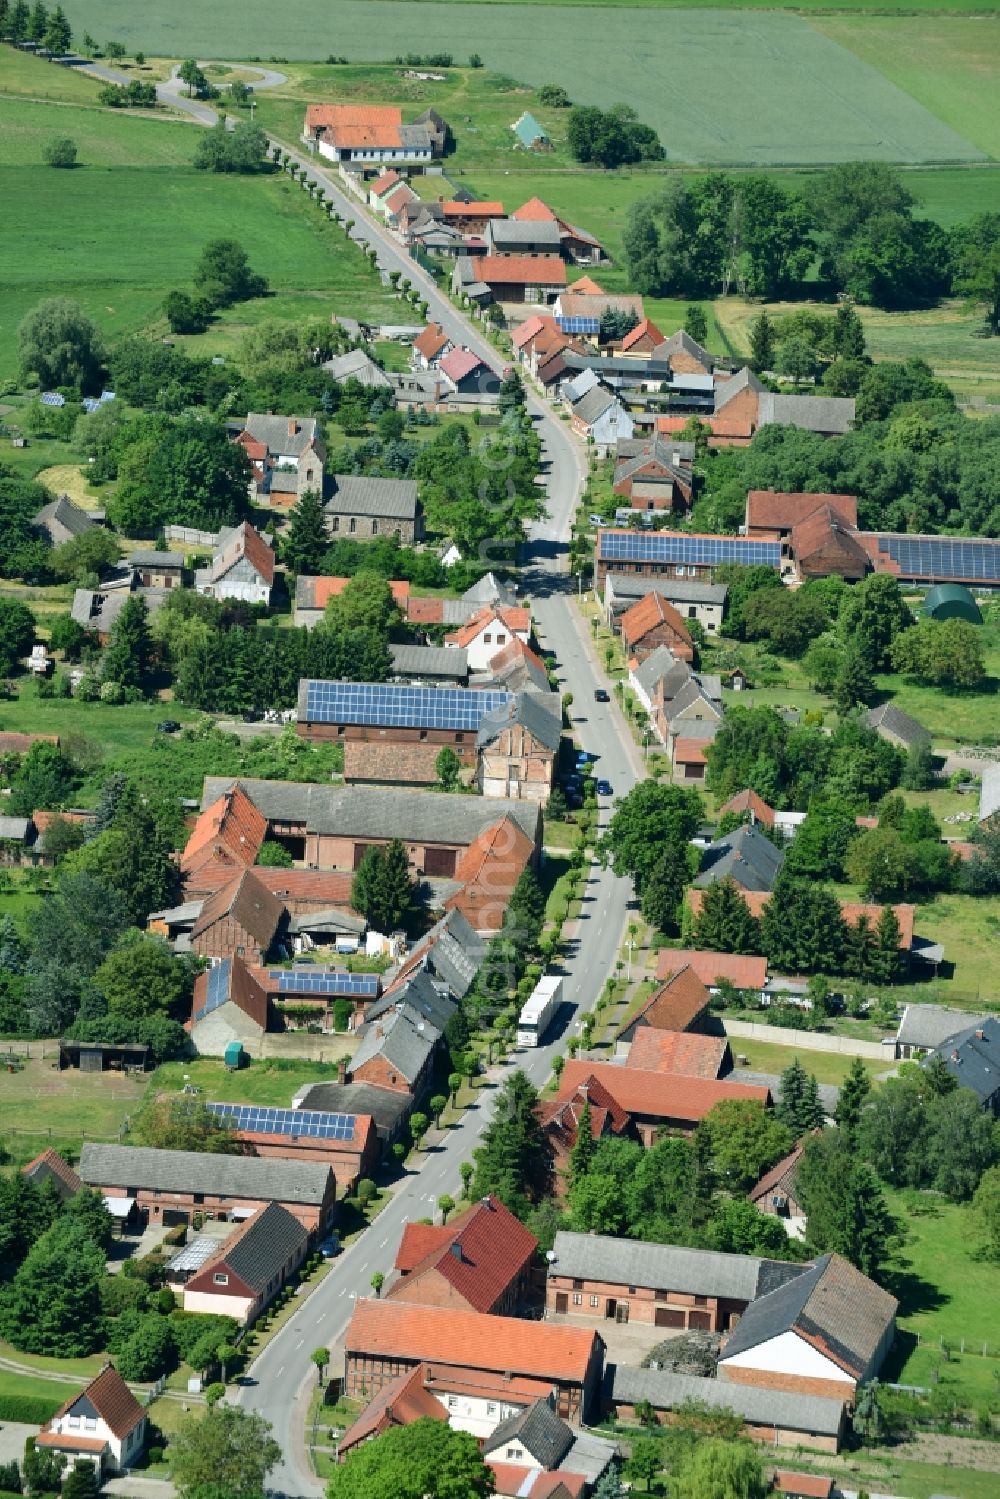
x: 544, y: 1001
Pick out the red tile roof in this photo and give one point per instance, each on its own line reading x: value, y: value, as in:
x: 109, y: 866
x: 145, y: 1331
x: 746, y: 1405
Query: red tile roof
x: 646, y: 329
x: 431, y: 341
x: 488, y: 870
x: 460, y: 362
x: 244, y: 991
x: 326, y: 588
x: 398, y: 200
x: 521, y: 270
x: 679, y: 1052
x: 745, y: 971
x: 780, y: 1176
x: 749, y: 801
x: 657, y: 1095
x: 850, y: 910
x: 650, y: 612
x: 775, y: 510
x: 811, y: 541
x: 516, y: 618
x: 482, y: 1253
x: 528, y: 329
x: 588, y: 287
x: 424, y: 611
x: 249, y: 902
x: 561, y: 1117
x: 690, y: 751
x: 112, y: 1400
x: 402, y: 1400
x: 810, y: 1485
x: 418, y: 1241
x: 70, y: 1442
x: 484, y: 210
x: 399, y: 1329
x: 352, y: 126
x: 232, y: 825
x: 382, y: 184
x: 677, y: 1003
x: 51, y: 1163
x: 534, y: 211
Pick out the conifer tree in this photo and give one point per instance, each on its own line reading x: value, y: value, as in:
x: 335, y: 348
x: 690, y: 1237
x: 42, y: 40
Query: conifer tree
x: 854, y: 1091
x: 306, y: 540
x: 762, y: 342
x: 724, y: 922
x: 126, y: 659
x: 583, y: 1150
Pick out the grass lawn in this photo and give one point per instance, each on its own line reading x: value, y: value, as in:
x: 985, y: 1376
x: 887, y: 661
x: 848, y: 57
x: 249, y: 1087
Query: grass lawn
x: 42, y: 1107
x: 103, y: 137
x: 119, y: 730
x: 827, y: 1066
x: 24, y: 76
x: 945, y: 1293
x: 969, y: 928
x: 266, y: 1082
x: 33, y: 1387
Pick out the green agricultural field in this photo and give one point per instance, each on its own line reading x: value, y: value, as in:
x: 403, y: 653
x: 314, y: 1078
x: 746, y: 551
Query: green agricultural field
x: 119, y: 730
x: 104, y: 137
x: 950, y: 65
x: 28, y: 77
x: 779, y: 90
x: 42, y: 1107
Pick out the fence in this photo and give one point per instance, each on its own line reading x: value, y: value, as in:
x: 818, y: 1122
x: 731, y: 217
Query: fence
x: 780, y: 1035
x: 189, y: 535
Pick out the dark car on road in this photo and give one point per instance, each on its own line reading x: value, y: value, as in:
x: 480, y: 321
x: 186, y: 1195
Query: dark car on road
x: 601, y: 695
x: 605, y: 788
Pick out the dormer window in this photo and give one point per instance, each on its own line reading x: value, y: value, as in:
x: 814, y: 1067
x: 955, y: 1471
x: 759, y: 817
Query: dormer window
x: 220, y: 1278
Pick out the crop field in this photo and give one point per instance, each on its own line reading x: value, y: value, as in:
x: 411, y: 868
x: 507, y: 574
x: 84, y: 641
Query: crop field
x: 767, y: 90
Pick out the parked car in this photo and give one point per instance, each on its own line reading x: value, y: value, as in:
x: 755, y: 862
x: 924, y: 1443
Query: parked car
x: 601, y: 695
x: 597, y: 520
x: 330, y: 1246
x: 605, y: 788
x: 168, y: 726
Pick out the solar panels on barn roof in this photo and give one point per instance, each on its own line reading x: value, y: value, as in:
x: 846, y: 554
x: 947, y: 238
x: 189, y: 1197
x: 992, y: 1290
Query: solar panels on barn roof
x: 325, y: 981
x: 90, y: 404
x: 217, y: 989
x: 943, y: 558
x: 254, y: 1119
x: 663, y: 546
x: 400, y: 706
x: 53, y: 398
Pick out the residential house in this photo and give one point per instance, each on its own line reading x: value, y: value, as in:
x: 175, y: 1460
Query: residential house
x: 488, y: 630
x: 742, y: 406
x: 681, y: 1003
x: 517, y: 278
x: 366, y: 135
x: 313, y: 593
x: 395, y: 204
x: 656, y: 1102
x: 400, y: 1402
x: 347, y: 1143
x: 451, y: 951
x: 593, y: 1278
x: 803, y: 1485
x: 777, y: 512
x: 396, y: 1051
x: 244, y: 1275
x: 50, y: 1166
x: 517, y: 744
x: 748, y: 805
x: 654, y: 474
x: 62, y: 520
x: 925, y: 1028
x: 357, y: 365
x: 892, y: 724
x: 226, y: 839
x: 480, y: 1261
x: 242, y: 567
x: 580, y: 314
x: 676, y: 554
x: 517, y: 668
x: 154, y: 569
x: 382, y: 187
x: 330, y: 827
x: 241, y: 919
x: 743, y: 971
x: 578, y: 245
x: 286, y: 455
x: 488, y: 871
x: 536, y: 1444
x: 823, y: 546
x: 471, y: 217
x: 972, y: 1057
x: 774, y: 1416
x: 430, y: 347
x: 464, y: 373
x: 599, y: 417
x: 824, y: 1332
x: 384, y: 1338
x: 744, y: 856
x: 170, y: 1186
x: 529, y: 135
x: 703, y: 602
x: 652, y: 623
x: 678, y: 1051
x: 362, y: 506
x: 685, y: 355
x: 522, y: 237
x: 104, y: 1423
x: 228, y: 1004
x: 777, y: 1194
x: 560, y: 1122
x: 642, y: 340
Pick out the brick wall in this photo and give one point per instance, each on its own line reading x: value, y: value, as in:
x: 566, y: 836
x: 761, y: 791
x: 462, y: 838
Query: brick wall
x: 796, y: 1384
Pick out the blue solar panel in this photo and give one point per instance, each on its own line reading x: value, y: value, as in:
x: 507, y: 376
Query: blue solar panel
x: 257, y: 1120
x: 217, y: 990
x: 325, y: 981
x: 675, y: 546
x: 937, y: 559
x: 53, y: 398
x: 107, y: 395
x: 90, y: 404
x: 401, y: 706
x: 580, y: 324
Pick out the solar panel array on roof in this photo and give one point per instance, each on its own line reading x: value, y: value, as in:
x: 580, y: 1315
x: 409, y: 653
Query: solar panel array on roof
x: 400, y: 706
x: 217, y: 991
x: 53, y: 398
x: 90, y: 404
x: 669, y: 547
x: 309, y: 1123
x: 941, y: 558
x: 107, y: 395
x: 325, y: 981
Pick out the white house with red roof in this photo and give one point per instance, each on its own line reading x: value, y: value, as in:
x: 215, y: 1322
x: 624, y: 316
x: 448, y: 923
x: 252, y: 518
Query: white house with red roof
x: 365, y: 135
x: 430, y: 347
x: 242, y: 567
x: 464, y: 372
x: 104, y: 1423
x: 488, y: 631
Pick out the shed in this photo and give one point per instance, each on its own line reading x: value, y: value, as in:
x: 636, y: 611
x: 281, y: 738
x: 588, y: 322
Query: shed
x: 951, y: 601
x: 233, y: 1055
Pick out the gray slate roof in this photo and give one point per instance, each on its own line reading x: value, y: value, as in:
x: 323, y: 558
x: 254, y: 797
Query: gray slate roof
x: 744, y: 855
x: 377, y: 811
x: 812, y: 413
x: 63, y: 512
x: 384, y: 1105
x: 254, y: 1177
x: 539, y: 713
x: 14, y: 828
x: 973, y: 1058
x: 453, y: 951
x: 744, y: 379
x: 757, y: 1406
x: 594, y: 404
x: 274, y: 1237
x: 421, y: 997
x: 356, y: 365
x: 539, y: 1430
x: 155, y: 559
x: 929, y: 1026
x: 653, y: 670
x: 403, y: 1042
x: 894, y: 721
x: 490, y: 590
x: 514, y: 234
x: 430, y: 661
x: 989, y: 796
x: 273, y: 432
x: 682, y: 343
x: 697, y: 1272
x: 360, y: 494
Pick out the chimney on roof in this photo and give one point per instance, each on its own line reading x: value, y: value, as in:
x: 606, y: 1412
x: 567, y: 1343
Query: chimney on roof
x: 293, y: 426
x: 342, y: 1070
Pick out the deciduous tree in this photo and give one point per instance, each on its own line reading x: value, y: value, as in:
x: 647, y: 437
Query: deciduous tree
x: 228, y: 1451
x: 425, y: 1460
x: 59, y: 343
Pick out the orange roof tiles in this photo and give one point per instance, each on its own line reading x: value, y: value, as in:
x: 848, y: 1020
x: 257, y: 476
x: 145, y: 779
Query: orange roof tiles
x: 382, y: 184
x: 232, y: 825
x: 326, y: 588
x: 484, y: 210
x: 657, y: 1095
x: 588, y: 287
x: 112, y: 1400
x: 677, y: 1003
x: 679, y: 1052
x: 561, y: 1117
x: 70, y: 1442
x: 690, y: 751
x: 528, y: 329
x: 51, y: 1163
x: 780, y: 510
x: 809, y: 1485
x: 521, y: 270
x: 488, y: 870
x: 483, y: 1252
x: 251, y: 905
x: 646, y: 329
x: 646, y: 615
x: 424, y: 611
x: 354, y: 126
x: 431, y: 341
x: 398, y: 200
x: 402, y: 1400
x: 418, y: 1241
x: 399, y: 1329
x: 534, y: 211
x: 749, y: 801
x: 746, y: 972
x: 516, y: 618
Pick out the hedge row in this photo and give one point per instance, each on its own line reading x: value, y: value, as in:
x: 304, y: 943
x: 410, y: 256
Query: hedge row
x: 34, y: 1410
